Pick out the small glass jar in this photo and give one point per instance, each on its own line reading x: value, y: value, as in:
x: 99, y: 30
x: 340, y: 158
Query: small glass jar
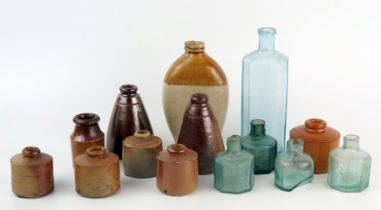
x: 262, y: 146
x: 233, y: 168
x: 349, y: 166
x: 293, y: 168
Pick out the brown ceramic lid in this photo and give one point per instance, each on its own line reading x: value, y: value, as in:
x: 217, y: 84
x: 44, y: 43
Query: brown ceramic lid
x: 96, y: 156
x: 315, y: 130
x: 177, y: 153
x: 142, y: 139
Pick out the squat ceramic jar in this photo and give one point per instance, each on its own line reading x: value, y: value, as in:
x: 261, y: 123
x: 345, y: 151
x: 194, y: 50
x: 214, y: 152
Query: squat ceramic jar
x: 128, y: 116
x: 139, y: 154
x: 194, y: 72
x: 177, y: 170
x: 319, y: 140
x: 86, y: 133
x: 233, y: 169
x: 262, y: 146
x: 96, y: 173
x: 349, y: 166
x: 200, y: 132
x: 32, y: 173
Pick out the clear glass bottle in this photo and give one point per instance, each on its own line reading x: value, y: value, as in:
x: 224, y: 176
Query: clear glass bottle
x: 264, y: 87
x: 233, y: 168
x: 262, y: 146
x: 349, y: 166
x: 293, y: 168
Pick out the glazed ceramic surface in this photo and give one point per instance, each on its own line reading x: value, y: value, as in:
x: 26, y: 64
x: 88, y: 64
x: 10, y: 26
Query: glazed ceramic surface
x: 194, y: 72
x: 128, y: 116
x: 200, y: 132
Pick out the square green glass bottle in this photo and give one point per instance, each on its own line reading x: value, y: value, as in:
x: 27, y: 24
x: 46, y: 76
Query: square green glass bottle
x: 233, y: 168
x: 293, y: 168
x: 349, y: 166
x: 262, y: 146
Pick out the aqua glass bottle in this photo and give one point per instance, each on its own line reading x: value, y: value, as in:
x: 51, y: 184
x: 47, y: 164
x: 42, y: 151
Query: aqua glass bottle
x: 264, y: 87
x: 233, y: 168
x: 293, y: 168
x: 262, y: 146
x: 349, y: 166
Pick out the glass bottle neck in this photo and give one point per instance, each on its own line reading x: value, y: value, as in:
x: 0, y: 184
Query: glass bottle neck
x: 351, y: 142
x: 257, y: 128
x: 295, y: 146
x: 234, y: 144
x: 266, y: 42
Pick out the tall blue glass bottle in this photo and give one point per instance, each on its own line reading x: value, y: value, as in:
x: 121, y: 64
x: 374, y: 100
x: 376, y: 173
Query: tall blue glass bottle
x: 264, y: 88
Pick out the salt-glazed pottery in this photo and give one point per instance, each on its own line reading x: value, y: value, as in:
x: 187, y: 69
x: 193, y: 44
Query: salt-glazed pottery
x: 86, y: 133
x: 32, y: 173
x: 200, y: 132
x: 96, y: 173
x: 264, y: 87
x: 139, y: 154
x: 234, y: 168
x: 128, y: 116
x: 194, y: 72
x: 293, y: 168
x: 349, y: 166
x: 177, y: 170
x: 319, y: 140
x: 262, y: 146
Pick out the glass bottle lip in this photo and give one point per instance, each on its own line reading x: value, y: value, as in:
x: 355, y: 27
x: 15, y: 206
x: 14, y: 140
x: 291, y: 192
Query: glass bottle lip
x: 351, y: 141
x: 86, y: 119
x: 257, y: 122
x: 267, y: 31
x: 194, y: 46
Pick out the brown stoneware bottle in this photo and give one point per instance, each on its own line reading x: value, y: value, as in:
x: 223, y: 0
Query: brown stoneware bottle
x: 177, y: 170
x: 128, y: 116
x: 319, y: 140
x: 96, y: 173
x: 200, y: 132
x: 32, y: 173
x: 86, y: 133
x: 194, y: 72
x: 139, y: 154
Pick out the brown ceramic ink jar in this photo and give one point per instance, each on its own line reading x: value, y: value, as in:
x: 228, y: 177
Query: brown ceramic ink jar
x: 86, y: 133
x: 139, y: 154
x: 96, y: 173
x: 319, y: 140
x: 32, y: 173
x: 177, y: 170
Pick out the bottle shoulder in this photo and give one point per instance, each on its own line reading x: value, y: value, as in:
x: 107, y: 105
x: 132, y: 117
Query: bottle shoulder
x: 260, y: 54
x: 266, y: 141
x: 233, y: 158
x: 346, y: 154
x: 287, y: 158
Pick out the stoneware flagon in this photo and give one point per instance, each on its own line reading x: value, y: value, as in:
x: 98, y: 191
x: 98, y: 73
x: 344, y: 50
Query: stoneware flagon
x: 32, y: 173
x: 194, y: 72
x: 86, y: 133
x: 139, y: 154
x: 200, y: 132
x: 96, y: 173
x: 177, y: 170
x: 319, y: 140
x: 128, y: 116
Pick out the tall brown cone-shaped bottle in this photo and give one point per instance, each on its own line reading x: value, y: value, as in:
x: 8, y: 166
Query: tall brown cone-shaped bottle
x: 200, y: 132
x: 194, y: 72
x: 128, y: 116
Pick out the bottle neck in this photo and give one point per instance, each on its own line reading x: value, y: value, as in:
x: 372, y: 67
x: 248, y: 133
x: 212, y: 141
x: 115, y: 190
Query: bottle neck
x: 351, y: 142
x: 257, y: 128
x: 295, y: 146
x: 234, y: 144
x: 266, y: 42
x: 194, y: 47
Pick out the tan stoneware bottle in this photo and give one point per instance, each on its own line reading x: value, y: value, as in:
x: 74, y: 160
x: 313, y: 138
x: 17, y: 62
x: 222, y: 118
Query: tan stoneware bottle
x: 194, y: 72
x: 139, y: 154
x: 96, y: 173
x: 319, y: 140
x: 200, y: 132
x: 177, y: 170
x: 128, y: 116
x: 32, y: 173
x: 86, y: 133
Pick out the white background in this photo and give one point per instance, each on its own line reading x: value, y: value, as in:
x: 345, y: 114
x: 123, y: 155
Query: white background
x: 61, y: 58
